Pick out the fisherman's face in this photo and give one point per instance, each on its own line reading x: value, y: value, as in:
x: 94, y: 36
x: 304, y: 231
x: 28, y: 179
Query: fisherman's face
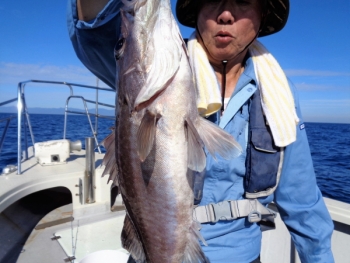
x: 227, y: 27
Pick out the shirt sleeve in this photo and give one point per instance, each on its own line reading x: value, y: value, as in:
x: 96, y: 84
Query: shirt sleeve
x: 300, y: 201
x: 94, y: 41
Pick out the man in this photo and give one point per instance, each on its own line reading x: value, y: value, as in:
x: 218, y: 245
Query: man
x: 275, y: 166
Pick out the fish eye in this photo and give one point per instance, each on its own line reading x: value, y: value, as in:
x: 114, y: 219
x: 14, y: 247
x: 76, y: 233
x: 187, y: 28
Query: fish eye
x: 119, y: 48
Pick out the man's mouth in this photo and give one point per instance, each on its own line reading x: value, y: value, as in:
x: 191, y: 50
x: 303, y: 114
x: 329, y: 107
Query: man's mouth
x: 223, y: 34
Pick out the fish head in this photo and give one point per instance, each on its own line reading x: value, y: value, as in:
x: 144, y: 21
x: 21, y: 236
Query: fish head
x: 125, y: 53
x: 150, y: 50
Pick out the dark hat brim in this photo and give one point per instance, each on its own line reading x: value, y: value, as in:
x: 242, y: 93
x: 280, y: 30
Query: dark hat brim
x: 276, y: 15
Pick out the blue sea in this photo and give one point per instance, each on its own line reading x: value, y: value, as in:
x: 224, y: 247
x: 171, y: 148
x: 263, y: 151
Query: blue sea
x: 329, y: 144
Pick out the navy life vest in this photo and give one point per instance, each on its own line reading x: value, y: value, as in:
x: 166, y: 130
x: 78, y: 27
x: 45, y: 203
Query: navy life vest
x: 264, y: 159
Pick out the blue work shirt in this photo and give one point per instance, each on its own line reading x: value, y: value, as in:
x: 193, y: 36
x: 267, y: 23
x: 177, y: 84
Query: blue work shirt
x: 297, y: 196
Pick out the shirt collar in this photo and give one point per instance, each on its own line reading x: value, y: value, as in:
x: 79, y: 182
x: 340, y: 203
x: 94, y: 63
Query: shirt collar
x: 248, y: 76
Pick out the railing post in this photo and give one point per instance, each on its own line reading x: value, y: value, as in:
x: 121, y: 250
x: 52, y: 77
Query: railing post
x: 19, y: 123
x: 89, y: 179
x: 96, y: 111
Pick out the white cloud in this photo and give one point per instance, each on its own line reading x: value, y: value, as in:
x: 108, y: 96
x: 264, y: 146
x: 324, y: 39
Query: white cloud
x: 340, y: 103
x: 322, y: 110
x: 44, y: 95
x: 12, y: 73
x: 314, y: 73
x: 309, y: 86
x: 303, y: 86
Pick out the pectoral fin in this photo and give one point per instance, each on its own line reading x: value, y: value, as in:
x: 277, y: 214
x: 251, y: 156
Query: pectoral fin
x: 196, y: 155
x: 216, y: 140
x: 146, y: 134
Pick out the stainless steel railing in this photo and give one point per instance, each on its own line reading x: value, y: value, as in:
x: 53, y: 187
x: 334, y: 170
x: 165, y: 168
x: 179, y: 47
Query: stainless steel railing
x: 23, y: 114
x: 7, y: 120
x: 7, y: 124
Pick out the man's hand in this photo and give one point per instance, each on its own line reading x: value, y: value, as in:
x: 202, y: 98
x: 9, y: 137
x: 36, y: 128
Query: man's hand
x: 88, y: 9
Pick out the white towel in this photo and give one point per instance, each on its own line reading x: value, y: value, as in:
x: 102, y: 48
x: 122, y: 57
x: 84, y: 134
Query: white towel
x: 208, y: 88
x: 276, y: 97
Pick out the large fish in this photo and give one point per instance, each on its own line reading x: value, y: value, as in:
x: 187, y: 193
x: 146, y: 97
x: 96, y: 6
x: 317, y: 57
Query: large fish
x: 159, y: 136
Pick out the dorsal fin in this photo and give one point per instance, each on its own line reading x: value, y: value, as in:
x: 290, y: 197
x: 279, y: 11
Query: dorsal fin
x: 109, y: 159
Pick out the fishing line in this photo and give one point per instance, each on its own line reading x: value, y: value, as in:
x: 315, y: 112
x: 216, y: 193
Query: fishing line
x: 224, y: 62
x: 223, y: 85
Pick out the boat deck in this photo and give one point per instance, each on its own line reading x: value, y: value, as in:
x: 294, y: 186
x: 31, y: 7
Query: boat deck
x: 67, y: 240
x: 70, y: 232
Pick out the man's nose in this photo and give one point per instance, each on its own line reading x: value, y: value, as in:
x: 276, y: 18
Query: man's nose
x: 225, y: 18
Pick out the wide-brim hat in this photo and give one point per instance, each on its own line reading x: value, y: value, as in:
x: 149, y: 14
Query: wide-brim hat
x: 277, y: 12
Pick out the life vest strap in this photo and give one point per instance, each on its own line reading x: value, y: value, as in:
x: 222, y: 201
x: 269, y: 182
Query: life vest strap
x: 231, y: 210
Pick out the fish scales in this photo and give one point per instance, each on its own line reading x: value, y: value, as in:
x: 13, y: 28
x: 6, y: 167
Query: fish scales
x: 159, y: 136
x: 157, y: 191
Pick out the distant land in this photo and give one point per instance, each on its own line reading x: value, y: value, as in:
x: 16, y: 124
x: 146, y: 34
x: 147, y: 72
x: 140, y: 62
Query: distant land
x: 58, y: 111
x: 107, y: 112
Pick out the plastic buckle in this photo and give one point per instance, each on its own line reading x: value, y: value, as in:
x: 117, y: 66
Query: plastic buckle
x: 254, y: 217
x: 222, y: 211
x: 211, y: 213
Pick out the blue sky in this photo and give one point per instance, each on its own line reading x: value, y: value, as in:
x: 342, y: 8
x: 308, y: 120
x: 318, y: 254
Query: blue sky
x: 313, y: 49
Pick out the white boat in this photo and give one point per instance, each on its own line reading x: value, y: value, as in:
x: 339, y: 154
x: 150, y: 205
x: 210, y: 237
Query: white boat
x: 56, y: 207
